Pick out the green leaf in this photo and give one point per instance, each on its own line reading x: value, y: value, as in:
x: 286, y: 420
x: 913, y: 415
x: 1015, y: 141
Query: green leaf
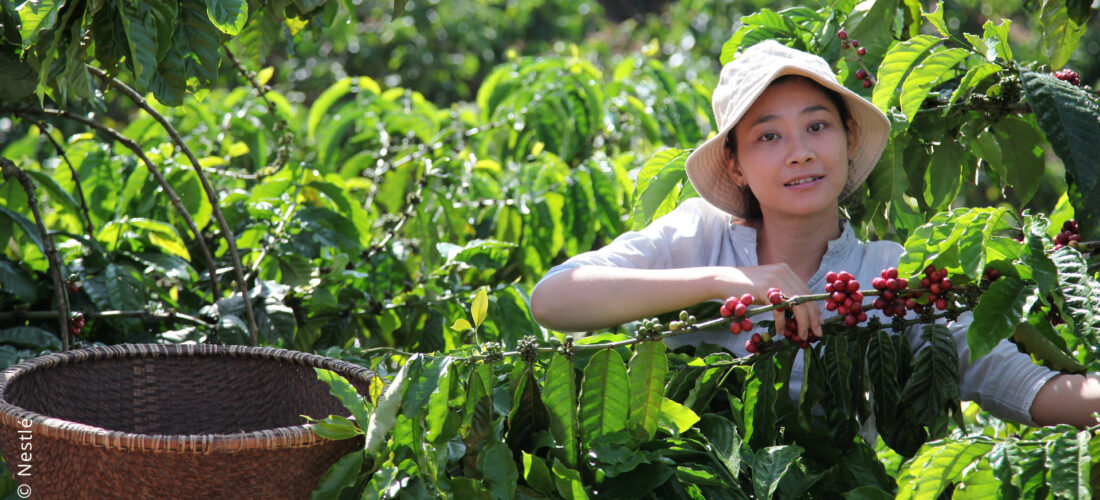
x: 837, y: 359
x: 460, y: 325
x: 1022, y: 153
x: 813, y: 386
x: 477, y: 423
x: 341, y: 475
x: 15, y: 282
x: 724, y: 442
x: 868, y: 493
x: 937, y: 67
x: 1027, y: 466
x: 423, y: 380
x: 340, y: 387
x: 198, y: 41
x: 961, y: 240
x: 1070, y: 120
x: 536, y: 473
x: 936, y: 18
x: 897, y: 63
x: 560, y: 397
x: 1043, y: 348
x: 973, y: 77
x: 35, y: 16
x: 1070, y: 465
x: 124, y: 288
x: 647, y: 372
x: 480, y: 306
x: 1060, y: 33
x: 769, y: 467
x: 1035, y: 256
x: 499, y: 470
x: 882, y: 370
x: 604, y: 400
x: 30, y: 337
x: 759, y: 397
x: 1078, y: 291
x: 997, y: 36
x: 568, y: 482
x: 676, y: 417
x: 934, y: 383
x: 1001, y: 460
x: 529, y: 415
x: 385, y: 411
x: 162, y: 235
x: 658, y: 186
x: 229, y: 16
x: 20, y: 79
x: 322, y: 107
x: 937, y: 465
x: 1000, y: 309
x: 149, y: 27
x: 30, y: 229
x: 335, y: 427
x: 439, y: 407
x: 943, y: 177
x: 57, y: 193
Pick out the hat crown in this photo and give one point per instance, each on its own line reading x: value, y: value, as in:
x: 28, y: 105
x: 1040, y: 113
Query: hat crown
x: 755, y: 67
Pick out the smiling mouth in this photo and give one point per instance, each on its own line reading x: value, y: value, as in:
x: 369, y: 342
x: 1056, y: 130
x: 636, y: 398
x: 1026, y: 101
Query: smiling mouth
x: 804, y: 180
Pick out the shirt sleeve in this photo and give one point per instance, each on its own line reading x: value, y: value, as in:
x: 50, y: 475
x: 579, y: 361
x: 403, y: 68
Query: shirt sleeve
x: 676, y: 239
x: 1003, y: 382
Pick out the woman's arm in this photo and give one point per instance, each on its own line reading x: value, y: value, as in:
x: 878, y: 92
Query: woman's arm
x: 593, y: 297
x: 1068, y: 399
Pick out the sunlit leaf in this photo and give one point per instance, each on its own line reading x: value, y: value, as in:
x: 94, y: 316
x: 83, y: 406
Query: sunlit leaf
x: 605, y: 398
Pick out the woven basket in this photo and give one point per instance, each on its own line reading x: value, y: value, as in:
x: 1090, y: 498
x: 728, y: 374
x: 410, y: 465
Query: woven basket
x: 168, y: 421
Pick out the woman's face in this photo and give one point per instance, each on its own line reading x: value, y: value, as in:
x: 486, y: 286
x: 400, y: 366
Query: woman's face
x: 792, y: 150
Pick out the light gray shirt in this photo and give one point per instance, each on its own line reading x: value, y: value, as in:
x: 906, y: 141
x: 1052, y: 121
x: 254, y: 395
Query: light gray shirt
x: 1004, y: 382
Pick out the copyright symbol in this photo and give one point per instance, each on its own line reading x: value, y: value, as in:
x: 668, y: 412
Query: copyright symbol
x: 24, y: 491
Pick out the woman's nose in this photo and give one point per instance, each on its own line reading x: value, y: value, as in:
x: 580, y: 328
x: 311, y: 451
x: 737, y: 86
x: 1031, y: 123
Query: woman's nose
x: 800, y: 152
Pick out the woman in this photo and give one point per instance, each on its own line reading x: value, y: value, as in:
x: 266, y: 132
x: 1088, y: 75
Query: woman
x: 792, y: 143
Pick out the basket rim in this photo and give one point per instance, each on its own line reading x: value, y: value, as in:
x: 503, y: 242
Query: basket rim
x: 12, y: 416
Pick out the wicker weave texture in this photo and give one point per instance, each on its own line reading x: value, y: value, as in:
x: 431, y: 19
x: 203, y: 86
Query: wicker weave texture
x: 153, y: 421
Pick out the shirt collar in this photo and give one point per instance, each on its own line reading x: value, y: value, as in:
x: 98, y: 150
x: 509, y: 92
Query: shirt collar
x: 744, y: 243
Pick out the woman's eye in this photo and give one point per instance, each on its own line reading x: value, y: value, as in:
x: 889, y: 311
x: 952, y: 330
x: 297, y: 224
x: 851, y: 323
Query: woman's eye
x: 817, y: 127
x: 768, y: 137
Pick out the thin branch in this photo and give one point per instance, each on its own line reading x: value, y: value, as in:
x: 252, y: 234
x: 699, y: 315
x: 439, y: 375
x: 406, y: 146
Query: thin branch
x: 89, y: 228
x: 255, y: 270
x: 10, y: 170
x: 411, y: 201
x: 282, y: 153
x: 133, y: 146
x: 145, y: 315
x: 230, y: 239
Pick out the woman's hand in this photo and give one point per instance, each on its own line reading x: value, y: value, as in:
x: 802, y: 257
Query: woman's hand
x: 758, y: 279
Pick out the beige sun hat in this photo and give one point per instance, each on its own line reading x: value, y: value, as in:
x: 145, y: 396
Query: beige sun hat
x: 742, y: 81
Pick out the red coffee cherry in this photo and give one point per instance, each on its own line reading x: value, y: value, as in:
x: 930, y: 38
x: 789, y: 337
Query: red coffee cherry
x: 843, y: 35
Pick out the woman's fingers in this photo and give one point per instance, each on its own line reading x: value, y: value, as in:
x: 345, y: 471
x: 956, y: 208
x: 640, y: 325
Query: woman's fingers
x: 802, y: 314
x: 780, y: 321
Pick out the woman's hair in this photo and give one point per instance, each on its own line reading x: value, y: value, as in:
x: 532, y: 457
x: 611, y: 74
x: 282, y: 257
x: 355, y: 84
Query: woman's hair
x: 752, y: 205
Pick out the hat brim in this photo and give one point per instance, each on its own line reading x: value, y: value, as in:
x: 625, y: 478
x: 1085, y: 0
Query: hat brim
x: 706, y: 166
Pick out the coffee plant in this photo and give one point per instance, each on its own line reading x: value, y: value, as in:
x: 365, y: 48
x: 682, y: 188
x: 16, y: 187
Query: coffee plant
x: 194, y: 171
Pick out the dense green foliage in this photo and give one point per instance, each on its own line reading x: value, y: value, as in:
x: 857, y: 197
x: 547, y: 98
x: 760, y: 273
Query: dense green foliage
x: 392, y: 198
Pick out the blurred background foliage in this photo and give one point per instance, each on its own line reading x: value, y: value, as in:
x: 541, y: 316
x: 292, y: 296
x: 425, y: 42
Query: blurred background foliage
x: 400, y: 162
